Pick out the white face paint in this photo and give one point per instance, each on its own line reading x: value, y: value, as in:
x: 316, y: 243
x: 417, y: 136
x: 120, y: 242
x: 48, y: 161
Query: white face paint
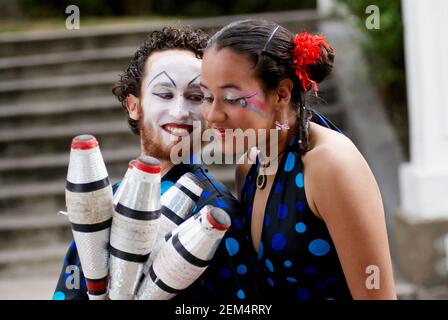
x: 172, y: 97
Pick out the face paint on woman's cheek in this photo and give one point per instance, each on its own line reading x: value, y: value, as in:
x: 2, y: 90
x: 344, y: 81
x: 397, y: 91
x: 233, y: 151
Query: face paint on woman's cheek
x: 255, y: 103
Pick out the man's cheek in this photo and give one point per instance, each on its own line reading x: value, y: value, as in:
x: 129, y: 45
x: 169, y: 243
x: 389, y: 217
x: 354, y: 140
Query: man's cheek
x: 197, y: 113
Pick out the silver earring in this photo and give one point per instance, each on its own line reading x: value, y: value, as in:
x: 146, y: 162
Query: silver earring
x: 279, y: 126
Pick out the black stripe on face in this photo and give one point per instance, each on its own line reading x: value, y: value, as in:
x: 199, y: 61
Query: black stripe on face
x: 190, y: 194
x: 87, y: 228
x: 193, y: 80
x: 158, y: 75
x: 187, y: 255
x: 87, y: 187
x: 162, y: 285
x: 139, y: 258
x: 137, y: 214
x: 167, y: 212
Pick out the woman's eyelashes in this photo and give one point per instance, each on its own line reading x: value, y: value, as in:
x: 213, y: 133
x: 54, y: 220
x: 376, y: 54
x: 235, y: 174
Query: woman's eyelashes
x: 233, y: 100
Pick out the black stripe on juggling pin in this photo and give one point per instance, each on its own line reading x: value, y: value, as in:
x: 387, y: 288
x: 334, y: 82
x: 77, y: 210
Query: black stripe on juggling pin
x: 139, y: 258
x: 162, y: 285
x: 190, y: 194
x: 97, y: 293
x: 167, y: 212
x: 92, y: 227
x: 137, y: 214
x: 168, y: 236
x: 187, y: 255
x: 87, y: 187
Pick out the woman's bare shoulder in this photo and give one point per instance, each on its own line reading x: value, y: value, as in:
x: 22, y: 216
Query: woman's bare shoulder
x: 329, y: 149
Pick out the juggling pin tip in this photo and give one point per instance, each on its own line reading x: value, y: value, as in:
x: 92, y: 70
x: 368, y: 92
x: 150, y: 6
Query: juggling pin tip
x: 219, y: 219
x: 84, y: 142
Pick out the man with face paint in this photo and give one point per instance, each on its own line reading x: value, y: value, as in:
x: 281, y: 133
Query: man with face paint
x: 161, y: 94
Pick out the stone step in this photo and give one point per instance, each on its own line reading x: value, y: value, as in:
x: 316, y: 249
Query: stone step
x: 39, y: 283
x: 56, y: 88
x: 29, y: 258
x: 68, y: 63
x: 67, y: 111
x: 130, y: 35
x: 32, y: 230
x: 57, y: 138
x: 54, y: 166
x: 60, y: 107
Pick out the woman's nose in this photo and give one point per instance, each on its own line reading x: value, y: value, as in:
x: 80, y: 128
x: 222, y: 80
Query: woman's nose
x: 214, y: 113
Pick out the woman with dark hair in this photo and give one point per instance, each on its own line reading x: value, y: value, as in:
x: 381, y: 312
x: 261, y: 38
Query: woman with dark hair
x: 317, y: 225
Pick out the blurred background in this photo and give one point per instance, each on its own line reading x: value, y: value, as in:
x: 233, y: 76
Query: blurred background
x: 385, y: 93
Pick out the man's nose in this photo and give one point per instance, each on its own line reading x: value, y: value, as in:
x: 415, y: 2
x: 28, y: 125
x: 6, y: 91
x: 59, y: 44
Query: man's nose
x: 180, y: 110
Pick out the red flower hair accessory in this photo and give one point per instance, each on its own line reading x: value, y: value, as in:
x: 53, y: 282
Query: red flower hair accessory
x: 307, y: 52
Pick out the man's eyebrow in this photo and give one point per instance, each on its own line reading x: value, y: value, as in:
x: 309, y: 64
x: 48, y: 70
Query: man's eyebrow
x: 202, y: 85
x: 194, y: 86
x: 194, y: 79
x: 159, y: 74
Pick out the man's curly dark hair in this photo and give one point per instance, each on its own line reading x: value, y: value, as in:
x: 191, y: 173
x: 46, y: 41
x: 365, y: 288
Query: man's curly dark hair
x: 168, y: 38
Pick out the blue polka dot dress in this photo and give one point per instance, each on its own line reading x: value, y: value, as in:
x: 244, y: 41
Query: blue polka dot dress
x: 296, y: 259
x: 228, y: 278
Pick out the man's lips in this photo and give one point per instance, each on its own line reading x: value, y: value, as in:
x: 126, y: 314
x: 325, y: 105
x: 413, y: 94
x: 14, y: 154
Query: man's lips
x: 178, y: 129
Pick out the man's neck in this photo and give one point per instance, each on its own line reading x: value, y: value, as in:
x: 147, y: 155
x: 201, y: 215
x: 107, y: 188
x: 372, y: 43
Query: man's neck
x: 165, y: 166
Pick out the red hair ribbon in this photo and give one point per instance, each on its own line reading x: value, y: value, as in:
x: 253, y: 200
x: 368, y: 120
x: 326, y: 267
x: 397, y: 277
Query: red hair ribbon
x: 307, y: 52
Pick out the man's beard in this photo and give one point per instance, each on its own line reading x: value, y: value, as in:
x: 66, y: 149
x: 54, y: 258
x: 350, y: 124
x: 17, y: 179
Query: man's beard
x: 152, y: 143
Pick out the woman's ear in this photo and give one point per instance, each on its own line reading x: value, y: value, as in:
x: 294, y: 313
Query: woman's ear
x: 132, y: 104
x: 284, y: 90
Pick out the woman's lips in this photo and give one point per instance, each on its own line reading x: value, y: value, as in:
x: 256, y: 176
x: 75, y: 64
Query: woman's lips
x: 221, y: 132
x: 178, y: 129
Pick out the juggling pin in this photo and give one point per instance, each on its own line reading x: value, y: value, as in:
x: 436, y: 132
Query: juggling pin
x: 123, y: 182
x: 187, y: 224
x: 134, y: 228
x: 88, y: 197
x: 186, y: 255
x: 177, y: 203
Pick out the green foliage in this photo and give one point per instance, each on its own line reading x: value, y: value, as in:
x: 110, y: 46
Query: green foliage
x: 384, y: 50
